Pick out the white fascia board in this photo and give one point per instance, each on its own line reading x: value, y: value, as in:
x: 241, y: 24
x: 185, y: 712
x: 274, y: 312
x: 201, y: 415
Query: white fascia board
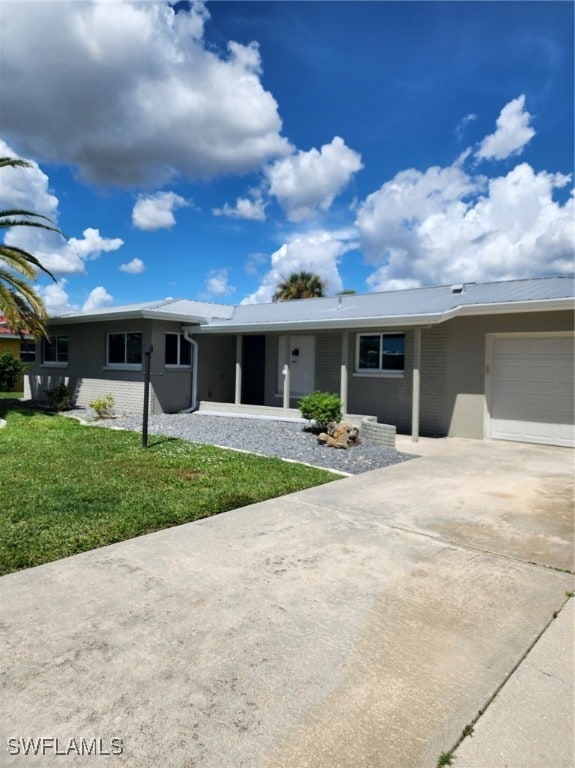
x: 399, y: 321
x: 129, y: 314
x: 509, y: 307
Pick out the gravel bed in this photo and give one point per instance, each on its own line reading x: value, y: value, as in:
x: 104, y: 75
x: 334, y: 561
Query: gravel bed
x: 282, y: 439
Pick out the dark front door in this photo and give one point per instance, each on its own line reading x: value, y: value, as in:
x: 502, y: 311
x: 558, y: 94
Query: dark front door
x: 253, y: 369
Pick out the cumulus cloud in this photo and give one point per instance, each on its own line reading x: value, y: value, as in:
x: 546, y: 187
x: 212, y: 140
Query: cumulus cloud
x: 512, y: 134
x: 97, y: 298
x: 153, y: 212
x: 130, y: 93
x: 28, y: 188
x: 57, y: 300
x: 245, y: 208
x: 134, y: 267
x: 69, y: 258
x: 307, y: 181
x: 217, y: 283
x: 447, y: 226
x: 317, y: 252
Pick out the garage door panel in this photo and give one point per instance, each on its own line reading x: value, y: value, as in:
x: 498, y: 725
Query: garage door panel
x: 531, y: 394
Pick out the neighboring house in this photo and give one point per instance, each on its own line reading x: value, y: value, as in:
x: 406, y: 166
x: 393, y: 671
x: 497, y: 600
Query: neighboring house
x: 491, y: 360
x: 22, y: 347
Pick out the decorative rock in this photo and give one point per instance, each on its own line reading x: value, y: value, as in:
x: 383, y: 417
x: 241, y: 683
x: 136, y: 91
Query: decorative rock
x: 341, y: 435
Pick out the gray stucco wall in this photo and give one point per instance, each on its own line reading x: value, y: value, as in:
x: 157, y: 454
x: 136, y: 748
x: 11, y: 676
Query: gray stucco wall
x: 390, y: 398
x: 216, y: 368
x: 465, y: 385
x: 88, y: 377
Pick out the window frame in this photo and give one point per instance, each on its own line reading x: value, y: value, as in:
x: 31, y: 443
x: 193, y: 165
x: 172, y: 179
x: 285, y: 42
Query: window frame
x: 54, y: 343
x: 181, y: 339
x: 125, y: 366
x: 28, y: 356
x: 390, y: 373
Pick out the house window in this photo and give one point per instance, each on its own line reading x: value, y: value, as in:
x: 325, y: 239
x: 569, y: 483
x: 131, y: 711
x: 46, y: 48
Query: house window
x: 55, y: 351
x: 382, y: 353
x: 28, y: 351
x: 125, y: 349
x: 178, y: 351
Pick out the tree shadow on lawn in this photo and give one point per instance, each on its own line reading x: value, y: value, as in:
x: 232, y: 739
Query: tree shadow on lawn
x: 25, y: 408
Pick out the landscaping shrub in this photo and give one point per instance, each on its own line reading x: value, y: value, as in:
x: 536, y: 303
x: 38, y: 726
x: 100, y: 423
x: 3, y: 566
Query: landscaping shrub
x: 321, y: 407
x: 60, y: 398
x: 10, y: 369
x: 104, y: 406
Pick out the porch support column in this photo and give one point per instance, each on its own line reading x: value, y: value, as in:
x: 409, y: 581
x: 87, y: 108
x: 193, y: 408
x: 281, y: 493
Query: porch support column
x: 238, y: 390
x: 343, y: 371
x: 286, y: 374
x: 416, y: 384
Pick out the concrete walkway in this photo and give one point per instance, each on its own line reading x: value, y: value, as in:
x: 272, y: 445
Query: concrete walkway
x: 363, y: 624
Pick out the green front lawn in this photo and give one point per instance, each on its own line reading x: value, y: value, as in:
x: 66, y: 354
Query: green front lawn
x: 66, y: 488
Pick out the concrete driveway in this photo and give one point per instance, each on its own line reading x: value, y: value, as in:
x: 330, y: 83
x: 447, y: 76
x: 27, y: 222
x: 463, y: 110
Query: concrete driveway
x: 361, y: 624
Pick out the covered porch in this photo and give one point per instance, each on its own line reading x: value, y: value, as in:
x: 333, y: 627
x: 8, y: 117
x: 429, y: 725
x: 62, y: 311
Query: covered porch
x: 296, y: 363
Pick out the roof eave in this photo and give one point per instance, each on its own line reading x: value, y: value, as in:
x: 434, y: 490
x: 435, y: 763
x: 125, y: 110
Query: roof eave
x: 391, y: 321
x: 326, y: 324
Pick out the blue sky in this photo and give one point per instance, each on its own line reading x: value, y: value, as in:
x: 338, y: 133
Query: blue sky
x: 208, y: 150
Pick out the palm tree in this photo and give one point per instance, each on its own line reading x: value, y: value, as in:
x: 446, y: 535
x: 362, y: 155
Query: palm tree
x: 21, y: 305
x: 300, y: 285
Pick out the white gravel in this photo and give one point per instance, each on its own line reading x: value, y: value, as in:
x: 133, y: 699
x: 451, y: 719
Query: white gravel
x: 283, y: 439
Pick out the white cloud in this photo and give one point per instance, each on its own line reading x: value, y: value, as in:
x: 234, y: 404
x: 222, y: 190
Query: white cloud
x: 463, y: 123
x: 445, y: 226
x: 316, y: 252
x: 253, y: 210
x: 27, y: 188
x: 153, y: 212
x: 134, y: 267
x: 512, y: 134
x: 217, y: 283
x: 254, y: 262
x: 97, y: 298
x: 131, y: 94
x: 69, y: 258
x: 56, y: 299
x: 308, y: 181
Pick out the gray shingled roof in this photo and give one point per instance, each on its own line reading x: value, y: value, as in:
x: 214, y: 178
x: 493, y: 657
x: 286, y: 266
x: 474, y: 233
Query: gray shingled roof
x: 418, y: 305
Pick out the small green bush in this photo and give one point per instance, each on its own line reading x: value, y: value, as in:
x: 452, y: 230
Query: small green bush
x: 321, y: 407
x: 60, y: 398
x: 104, y: 406
x: 10, y: 368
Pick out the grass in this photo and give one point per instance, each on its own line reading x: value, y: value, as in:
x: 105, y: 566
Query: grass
x: 67, y: 488
x: 11, y: 395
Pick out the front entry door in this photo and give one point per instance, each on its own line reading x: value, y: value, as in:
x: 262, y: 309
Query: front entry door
x: 253, y: 369
x: 301, y: 362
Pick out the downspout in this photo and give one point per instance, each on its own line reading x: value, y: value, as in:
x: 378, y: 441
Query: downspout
x: 194, y: 383
x: 416, y: 385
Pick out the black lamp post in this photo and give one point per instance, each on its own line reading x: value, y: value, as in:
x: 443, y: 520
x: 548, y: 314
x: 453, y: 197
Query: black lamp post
x: 148, y: 349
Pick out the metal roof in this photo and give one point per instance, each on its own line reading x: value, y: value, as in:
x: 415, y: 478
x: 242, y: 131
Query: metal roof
x: 407, y: 307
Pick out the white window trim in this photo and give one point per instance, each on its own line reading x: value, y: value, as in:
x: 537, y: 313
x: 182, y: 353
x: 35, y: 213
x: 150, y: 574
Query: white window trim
x: 377, y: 373
x: 178, y: 366
x: 122, y: 366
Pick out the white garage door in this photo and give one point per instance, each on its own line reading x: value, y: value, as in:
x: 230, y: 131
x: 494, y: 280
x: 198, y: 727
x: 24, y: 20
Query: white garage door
x: 530, y: 397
